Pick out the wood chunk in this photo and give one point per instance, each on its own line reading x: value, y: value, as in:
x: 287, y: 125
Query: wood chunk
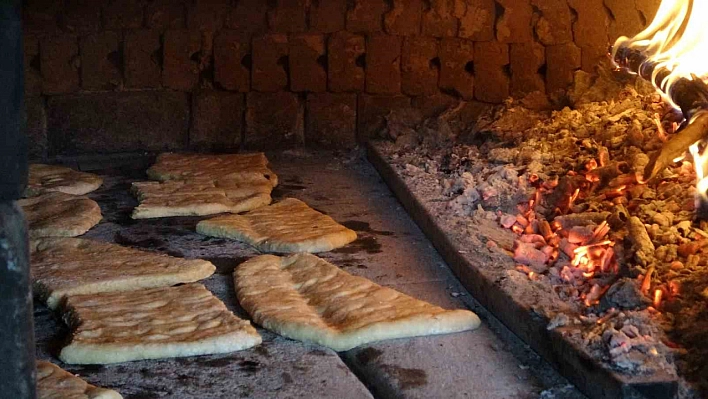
x: 185, y: 320
x: 306, y: 298
x: 56, y: 214
x: 53, y: 382
x: 46, y: 178
x: 198, y: 197
x: 285, y: 227
x: 70, y: 266
x: 251, y: 168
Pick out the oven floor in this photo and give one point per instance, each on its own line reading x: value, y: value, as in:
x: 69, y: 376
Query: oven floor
x: 489, y: 362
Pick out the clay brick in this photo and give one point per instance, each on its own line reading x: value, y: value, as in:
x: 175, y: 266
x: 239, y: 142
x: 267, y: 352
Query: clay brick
x: 33, y: 75
x: 590, y: 31
x: 248, y: 16
x: 41, y: 16
x: 100, y: 61
x: 434, y: 105
x: 383, y: 64
x: 207, y: 15
x: 270, y: 58
x: 372, y: 110
x: 345, y: 62
x: 328, y: 16
x: 562, y: 61
x: 59, y: 60
x: 439, y: 20
x: 288, y: 16
x: 526, y: 60
x: 477, y: 20
x: 648, y: 9
x: 273, y: 120
x: 627, y: 20
x: 553, y: 23
x: 404, y: 18
x: 217, y: 119
x: 231, y: 52
x: 112, y: 122
x: 123, y: 14
x: 307, y: 63
x: 456, y: 67
x: 180, y: 71
x: 142, y: 58
x: 420, y: 66
x: 366, y: 16
x: 81, y: 16
x: 35, y: 117
x: 514, y: 26
x: 165, y: 14
x: 331, y: 120
x: 491, y: 79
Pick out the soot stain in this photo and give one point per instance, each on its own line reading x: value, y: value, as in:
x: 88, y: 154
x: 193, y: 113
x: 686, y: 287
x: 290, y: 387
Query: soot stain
x: 367, y: 355
x: 143, y: 395
x: 225, y: 266
x: 216, y: 362
x: 90, y: 369
x: 262, y: 350
x: 358, y: 225
x: 367, y: 244
x: 287, y: 378
x: 407, y: 378
x: 249, y: 366
x: 124, y: 238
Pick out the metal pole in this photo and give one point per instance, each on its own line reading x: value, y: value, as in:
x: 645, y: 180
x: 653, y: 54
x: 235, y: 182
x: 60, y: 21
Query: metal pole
x: 17, y: 352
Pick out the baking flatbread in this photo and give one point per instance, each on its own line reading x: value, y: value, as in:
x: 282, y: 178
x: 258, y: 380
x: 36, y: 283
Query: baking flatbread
x: 197, y: 198
x: 251, y: 168
x: 53, y: 382
x: 46, y: 178
x: 56, y: 214
x: 286, y: 227
x: 186, y: 320
x: 70, y: 266
x: 308, y: 299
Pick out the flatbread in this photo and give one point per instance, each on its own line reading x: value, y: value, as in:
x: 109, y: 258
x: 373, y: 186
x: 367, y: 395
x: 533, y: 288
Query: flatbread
x: 286, y: 227
x: 251, y: 168
x: 308, y: 299
x: 70, y: 266
x: 198, y: 197
x: 56, y: 214
x: 53, y: 382
x: 46, y: 178
x: 185, y: 320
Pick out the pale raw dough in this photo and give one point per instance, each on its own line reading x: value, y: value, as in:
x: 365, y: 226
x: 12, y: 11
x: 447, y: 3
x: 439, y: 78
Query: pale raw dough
x: 185, y: 320
x: 55, y: 214
x: 250, y: 168
x: 306, y: 298
x: 69, y: 266
x: 46, y: 178
x: 198, y: 197
x: 53, y: 382
x: 286, y: 227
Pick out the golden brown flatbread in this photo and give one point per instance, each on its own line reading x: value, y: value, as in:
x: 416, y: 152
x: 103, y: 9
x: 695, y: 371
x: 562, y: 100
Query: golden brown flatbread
x: 69, y: 266
x: 244, y: 168
x: 46, y: 178
x: 185, y: 320
x: 198, y: 197
x: 306, y: 298
x: 286, y: 227
x: 56, y: 214
x: 53, y: 382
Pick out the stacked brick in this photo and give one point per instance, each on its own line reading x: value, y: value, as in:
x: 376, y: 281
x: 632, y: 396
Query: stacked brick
x: 134, y: 75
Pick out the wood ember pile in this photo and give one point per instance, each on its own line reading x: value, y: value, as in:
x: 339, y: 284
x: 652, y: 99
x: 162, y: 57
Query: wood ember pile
x: 627, y: 255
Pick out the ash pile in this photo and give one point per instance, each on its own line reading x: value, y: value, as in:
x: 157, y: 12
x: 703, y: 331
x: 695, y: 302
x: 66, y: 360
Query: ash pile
x: 626, y: 259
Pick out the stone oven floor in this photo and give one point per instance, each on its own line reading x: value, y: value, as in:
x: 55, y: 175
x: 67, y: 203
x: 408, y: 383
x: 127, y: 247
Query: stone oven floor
x: 391, y: 250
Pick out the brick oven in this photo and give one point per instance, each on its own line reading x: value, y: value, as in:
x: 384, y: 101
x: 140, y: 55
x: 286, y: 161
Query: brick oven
x: 471, y: 112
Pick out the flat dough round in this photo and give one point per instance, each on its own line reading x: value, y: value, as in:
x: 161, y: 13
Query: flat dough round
x: 45, y: 178
x: 242, y: 168
x: 53, y: 382
x: 309, y: 299
x: 56, y: 214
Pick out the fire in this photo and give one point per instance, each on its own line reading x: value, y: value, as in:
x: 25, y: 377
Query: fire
x: 676, y: 41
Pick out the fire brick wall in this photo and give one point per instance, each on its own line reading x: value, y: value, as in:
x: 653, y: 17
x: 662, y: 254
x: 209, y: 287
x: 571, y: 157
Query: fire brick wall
x: 150, y: 75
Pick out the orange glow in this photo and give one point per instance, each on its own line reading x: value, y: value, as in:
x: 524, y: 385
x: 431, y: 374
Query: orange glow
x: 657, y: 297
